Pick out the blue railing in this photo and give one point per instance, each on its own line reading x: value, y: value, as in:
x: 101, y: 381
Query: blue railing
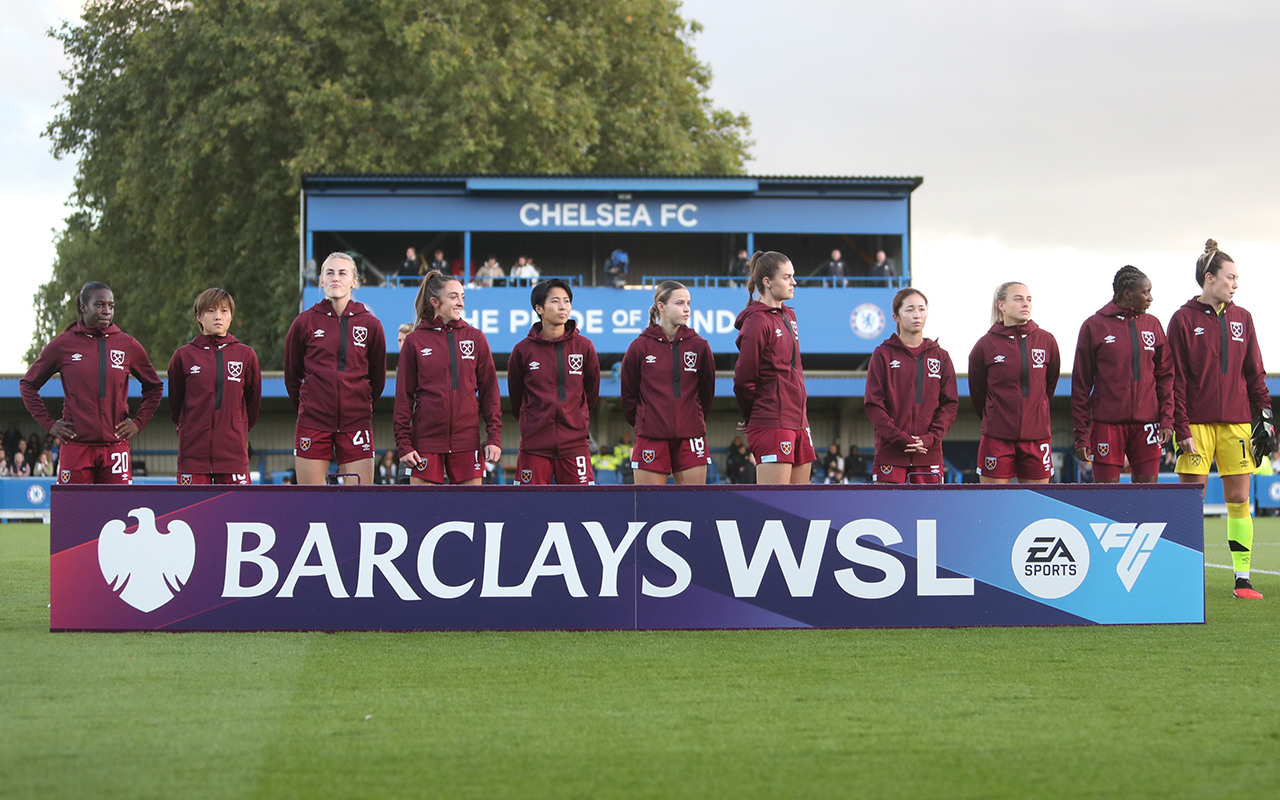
x: 512, y: 283
x: 724, y: 281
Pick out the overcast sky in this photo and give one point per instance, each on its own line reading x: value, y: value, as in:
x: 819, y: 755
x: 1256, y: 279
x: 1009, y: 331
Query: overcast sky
x: 1057, y: 143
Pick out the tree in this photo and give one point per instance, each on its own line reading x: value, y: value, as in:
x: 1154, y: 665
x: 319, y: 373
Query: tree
x: 195, y: 121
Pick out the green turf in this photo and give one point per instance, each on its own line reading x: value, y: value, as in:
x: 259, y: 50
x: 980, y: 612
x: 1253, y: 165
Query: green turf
x: 1168, y: 711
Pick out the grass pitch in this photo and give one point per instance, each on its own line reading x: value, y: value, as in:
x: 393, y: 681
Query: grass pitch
x: 1160, y: 711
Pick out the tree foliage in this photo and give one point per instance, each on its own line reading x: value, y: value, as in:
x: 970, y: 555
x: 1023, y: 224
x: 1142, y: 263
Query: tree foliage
x: 194, y: 122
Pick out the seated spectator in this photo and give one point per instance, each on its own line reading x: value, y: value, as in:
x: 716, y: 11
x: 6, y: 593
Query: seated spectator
x: 11, y: 438
x: 616, y: 267
x: 740, y: 464
x: 490, y: 274
x: 437, y: 264
x: 835, y: 476
x: 833, y: 460
x: 882, y: 268
x: 738, y: 269
x: 855, y: 466
x: 833, y: 267
x: 524, y: 271
x: 53, y: 446
x: 385, y: 474
x: 19, y: 468
x: 34, y: 447
x: 44, y: 467
x: 411, y: 266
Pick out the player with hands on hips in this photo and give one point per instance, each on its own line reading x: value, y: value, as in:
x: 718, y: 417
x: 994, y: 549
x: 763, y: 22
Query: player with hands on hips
x: 445, y: 381
x: 1218, y: 384
x: 95, y: 359
x: 335, y: 367
x: 668, y: 384
x: 911, y: 397
x: 215, y: 389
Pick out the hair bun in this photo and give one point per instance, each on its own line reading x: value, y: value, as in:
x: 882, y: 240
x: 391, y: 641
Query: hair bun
x: 1210, y: 245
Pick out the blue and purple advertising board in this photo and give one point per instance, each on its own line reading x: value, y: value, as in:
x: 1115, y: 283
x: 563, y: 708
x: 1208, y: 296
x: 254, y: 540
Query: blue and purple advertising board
x: 525, y: 558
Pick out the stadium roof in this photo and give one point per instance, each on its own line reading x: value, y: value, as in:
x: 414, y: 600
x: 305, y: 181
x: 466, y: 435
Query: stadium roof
x: 757, y: 185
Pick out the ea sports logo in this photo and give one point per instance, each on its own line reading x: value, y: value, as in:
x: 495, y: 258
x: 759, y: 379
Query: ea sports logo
x: 150, y: 566
x: 1050, y: 558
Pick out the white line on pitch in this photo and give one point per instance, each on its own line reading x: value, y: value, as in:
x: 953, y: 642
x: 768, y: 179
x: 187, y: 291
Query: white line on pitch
x: 1224, y: 566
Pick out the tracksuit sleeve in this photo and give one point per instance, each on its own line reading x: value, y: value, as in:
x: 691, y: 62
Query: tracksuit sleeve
x: 490, y: 397
x: 876, y: 403
x: 1181, y: 362
x: 252, y: 389
x: 1254, y: 372
x: 152, y: 386
x: 1053, y: 371
x: 1083, y: 374
x: 177, y: 387
x: 591, y: 378
x: 402, y: 412
x: 1164, y: 378
x: 377, y: 361
x: 948, y: 405
x: 707, y: 379
x: 978, y: 379
x: 746, y: 373
x: 629, y: 392
x: 515, y: 382
x: 294, y: 369
x: 37, y: 376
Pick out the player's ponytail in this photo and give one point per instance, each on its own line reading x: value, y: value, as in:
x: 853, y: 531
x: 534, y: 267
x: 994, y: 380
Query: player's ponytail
x: 1002, y: 294
x: 763, y: 265
x: 662, y: 294
x: 433, y: 284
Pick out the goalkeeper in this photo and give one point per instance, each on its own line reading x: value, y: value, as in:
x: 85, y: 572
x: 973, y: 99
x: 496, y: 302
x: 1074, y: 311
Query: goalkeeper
x: 1219, y: 384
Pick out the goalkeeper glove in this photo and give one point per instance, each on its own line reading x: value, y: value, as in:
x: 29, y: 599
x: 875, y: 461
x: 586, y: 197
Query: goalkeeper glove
x: 1264, y: 436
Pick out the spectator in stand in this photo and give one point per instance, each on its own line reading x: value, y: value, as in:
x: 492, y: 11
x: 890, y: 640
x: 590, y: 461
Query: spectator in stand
x: 738, y: 268
x: 438, y: 264
x: 881, y: 268
x: 835, y: 476
x: 740, y: 465
x: 34, y: 447
x: 4, y: 467
x: 832, y: 460
x: 412, y: 266
x: 21, y: 450
x: 524, y: 271
x: 490, y: 274
x: 11, y: 439
x: 834, y: 268
x: 855, y: 466
x: 20, y: 468
x: 44, y: 467
x: 53, y: 446
x: 616, y: 267
x: 387, y: 470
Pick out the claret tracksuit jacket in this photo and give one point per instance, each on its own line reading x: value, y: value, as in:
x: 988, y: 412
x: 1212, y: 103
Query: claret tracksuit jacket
x: 1013, y: 371
x: 445, y: 381
x: 910, y: 394
x: 95, y: 364
x: 1217, y: 366
x: 553, y: 385
x: 668, y: 385
x: 768, y: 379
x: 1123, y: 372
x: 335, y: 366
x: 215, y: 389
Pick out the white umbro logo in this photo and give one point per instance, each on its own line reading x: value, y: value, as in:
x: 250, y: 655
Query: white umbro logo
x: 999, y: 359
x: 534, y: 365
x: 319, y: 334
x: 650, y: 359
x: 1199, y: 331
x: 426, y: 351
x: 1110, y: 340
x: 894, y: 364
x: 195, y: 369
x: 76, y: 356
